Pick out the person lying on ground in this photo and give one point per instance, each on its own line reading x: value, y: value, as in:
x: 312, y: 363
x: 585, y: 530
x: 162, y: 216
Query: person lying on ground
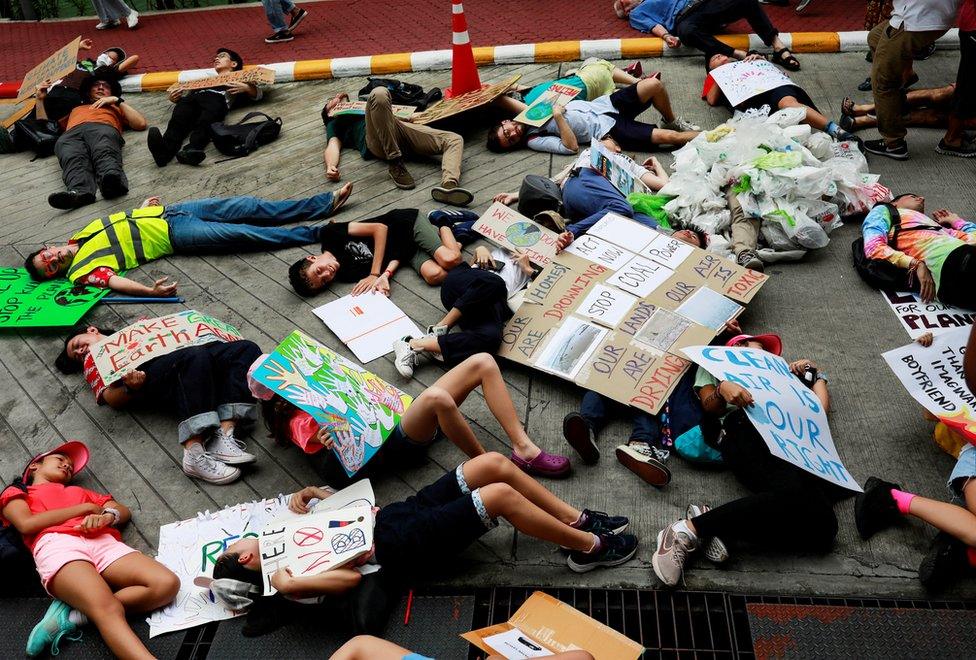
x: 428, y: 530
x: 204, y: 386
x: 369, y: 252
x: 927, y: 108
x: 72, y: 532
x: 90, y: 149
x: 380, y: 134
x: 595, y: 78
x: 797, y: 502
x: 940, y: 251
x: 696, y: 23
x: 368, y: 647
x: 784, y: 96
x: 573, y: 126
x: 125, y: 240
x: 432, y: 414
x: 195, y: 110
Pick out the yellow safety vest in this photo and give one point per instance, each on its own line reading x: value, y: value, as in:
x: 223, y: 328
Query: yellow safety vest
x: 123, y: 241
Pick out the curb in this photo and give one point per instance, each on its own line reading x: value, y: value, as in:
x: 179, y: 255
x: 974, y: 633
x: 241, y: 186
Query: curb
x: 552, y: 51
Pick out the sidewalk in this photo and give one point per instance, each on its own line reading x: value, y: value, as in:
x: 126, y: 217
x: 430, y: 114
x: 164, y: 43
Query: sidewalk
x: 179, y: 40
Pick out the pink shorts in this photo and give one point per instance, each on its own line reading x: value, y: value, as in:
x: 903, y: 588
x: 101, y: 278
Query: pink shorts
x: 53, y: 551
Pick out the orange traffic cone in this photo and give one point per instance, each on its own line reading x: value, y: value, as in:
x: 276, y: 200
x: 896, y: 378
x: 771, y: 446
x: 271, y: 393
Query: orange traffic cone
x: 464, y: 72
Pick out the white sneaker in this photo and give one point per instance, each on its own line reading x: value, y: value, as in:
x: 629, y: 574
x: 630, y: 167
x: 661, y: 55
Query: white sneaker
x: 132, y: 19
x: 225, y: 448
x: 680, y: 124
x: 105, y: 25
x: 405, y: 359
x: 715, y: 550
x: 202, y: 465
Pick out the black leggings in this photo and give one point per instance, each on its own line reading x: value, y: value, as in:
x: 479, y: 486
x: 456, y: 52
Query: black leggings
x: 958, y: 273
x: 698, y: 26
x: 790, y: 509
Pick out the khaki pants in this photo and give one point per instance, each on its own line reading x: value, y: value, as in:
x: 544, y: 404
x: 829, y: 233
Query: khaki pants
x: 893, y: 50
x: 745, y: 230
x: 390, y: 138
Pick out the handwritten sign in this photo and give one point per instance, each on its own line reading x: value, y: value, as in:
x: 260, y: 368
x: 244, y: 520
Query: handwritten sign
x: 359, y: 407
x: 257, y: 76
x: 514, y: 232
x: 540, y: 111
x: 740, y: 81
x: 787, y: 414
x: 25, y: 303
x: 457, y: 104
x: 920, y: 317
x: 57, y: 65
x: 934, y: 377
x: 620, y: 169
x: 358, y: 108
x: 135, y: 344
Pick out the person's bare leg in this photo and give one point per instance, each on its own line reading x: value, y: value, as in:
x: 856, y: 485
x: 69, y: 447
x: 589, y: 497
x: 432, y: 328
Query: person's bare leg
x: 367, y: 647
x: 954, y: 131
x: 779, y: 45
x: 79, y: 585
x: 494, y: 468
x: 958, y: 521
x: 432, y: 273
x: 426, y: 343
x: 653, y: 90
x: 451, y: 318
x: 813, y: 118
x: 141, y: 583
x: 675, y: 138
x: 434, y: 409
x: 621, y: 77
x: 503, y: 501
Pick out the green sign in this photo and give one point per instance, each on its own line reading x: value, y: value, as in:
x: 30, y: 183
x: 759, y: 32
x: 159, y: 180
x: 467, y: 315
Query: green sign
x: 25, y: 303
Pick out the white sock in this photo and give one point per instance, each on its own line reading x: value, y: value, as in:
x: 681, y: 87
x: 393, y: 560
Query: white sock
x: 682, y: 526
x: 77, y: 618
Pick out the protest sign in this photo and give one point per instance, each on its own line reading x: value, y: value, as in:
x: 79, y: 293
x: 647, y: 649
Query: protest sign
x: 18, y: 113
x: 543, y: 621
x: 360, y: 408
x: 621, y: 170
x: 740, y: 81
x: 457, y: 104
x: 258, y: 76
x: 920, y: 317
x: 358, y: 108
x: 934, y: 377
x: 57, y: 65
x: 25, y: 303
x: 540, y: 111
x: 368, y: 324
x: 118, y: 354
x: 514, y: 232
x: 786, y: 413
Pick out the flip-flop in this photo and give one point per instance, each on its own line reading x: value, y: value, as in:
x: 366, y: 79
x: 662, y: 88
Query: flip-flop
x: 847, y: 106
x: 341, y: 197
x: 543, y: 465
x: 788, y: 62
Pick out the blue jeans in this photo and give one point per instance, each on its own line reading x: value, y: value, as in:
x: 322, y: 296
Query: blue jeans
x: 216, y: 225
x: 275, y: 10
x: 589, y: 196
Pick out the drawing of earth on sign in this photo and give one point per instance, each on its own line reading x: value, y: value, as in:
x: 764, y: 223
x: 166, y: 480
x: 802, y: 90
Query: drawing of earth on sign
x: 523, y: 234
x: 540, y: 110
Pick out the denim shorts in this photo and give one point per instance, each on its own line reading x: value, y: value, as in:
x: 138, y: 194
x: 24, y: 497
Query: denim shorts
x: 964, y: 470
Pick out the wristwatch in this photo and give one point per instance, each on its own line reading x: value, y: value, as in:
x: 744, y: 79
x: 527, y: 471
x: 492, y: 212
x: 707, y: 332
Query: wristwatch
x: 115, y: 513
x: 120, y: 101
x: 822, y: 376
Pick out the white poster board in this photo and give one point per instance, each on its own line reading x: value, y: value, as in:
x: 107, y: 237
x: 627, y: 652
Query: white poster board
x: 787, y: 414
x: 740, y: 81
x: 368, y: 324
x: 919, y: 317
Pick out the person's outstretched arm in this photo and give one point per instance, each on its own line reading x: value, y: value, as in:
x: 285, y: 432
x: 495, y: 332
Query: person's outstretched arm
x: 333, y: 152
x: 377, y: 231
x: 128, y: 63
x: 336, y: 581
x: 161, y: 287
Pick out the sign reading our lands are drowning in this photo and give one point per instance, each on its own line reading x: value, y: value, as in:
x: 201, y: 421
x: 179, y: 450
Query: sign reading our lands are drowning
x: 358, y: 407
x: 118, y: 354
x: 611, y: 312
x: 920, y: 317
x: 57, y: 65
x: 934, y: 377
x: 787, y: 414
x: 513, y: 231
x: 25, y: 303
x: 740, y: 81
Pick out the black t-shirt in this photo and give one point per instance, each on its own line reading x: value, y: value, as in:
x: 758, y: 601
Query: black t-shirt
x: 355, y: 253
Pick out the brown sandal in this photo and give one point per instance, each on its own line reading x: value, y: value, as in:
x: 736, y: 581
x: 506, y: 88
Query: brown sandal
x: 341, y: 197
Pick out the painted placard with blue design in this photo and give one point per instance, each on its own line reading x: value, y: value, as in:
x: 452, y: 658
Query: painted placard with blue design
x: 358, y: 407
x: 788, y: 415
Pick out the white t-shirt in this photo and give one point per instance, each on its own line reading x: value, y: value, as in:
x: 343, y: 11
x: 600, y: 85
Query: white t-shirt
x: 924, y: 15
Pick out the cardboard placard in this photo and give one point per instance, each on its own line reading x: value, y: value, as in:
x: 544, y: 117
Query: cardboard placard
x: 514, y: 232
x: 359, y: 407
x: 919, y: 317
x: 56, y: 65
x: 540, y: 111
x: 934, y: 377
x: 259, y: 75
x: 452, y: 106
x: 22, y: 111
x: 135, y: 344
x: 368, y: 324
x: 620, y: 169
x: 740, y: 81
x: 358, y: 108
x: 787, y: 414
x: 557, y: 627
x: 55, y: 303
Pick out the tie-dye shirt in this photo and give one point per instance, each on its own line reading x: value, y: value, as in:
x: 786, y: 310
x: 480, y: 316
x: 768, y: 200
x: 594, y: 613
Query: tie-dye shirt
x: 919, y: 237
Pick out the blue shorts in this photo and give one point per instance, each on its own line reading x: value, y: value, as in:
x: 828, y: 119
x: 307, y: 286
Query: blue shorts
x: 964, y: 470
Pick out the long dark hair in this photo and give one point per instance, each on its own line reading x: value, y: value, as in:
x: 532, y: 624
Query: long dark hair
x: 277, y: 414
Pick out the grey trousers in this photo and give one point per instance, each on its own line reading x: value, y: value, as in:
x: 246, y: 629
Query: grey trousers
x: 87, y: 153
x: 111, y: 10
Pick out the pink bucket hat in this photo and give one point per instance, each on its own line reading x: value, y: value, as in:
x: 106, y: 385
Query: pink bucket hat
x: 770, y: 343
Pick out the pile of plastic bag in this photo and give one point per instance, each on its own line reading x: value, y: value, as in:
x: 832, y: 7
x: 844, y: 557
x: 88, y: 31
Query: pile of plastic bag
x: 797, y: 181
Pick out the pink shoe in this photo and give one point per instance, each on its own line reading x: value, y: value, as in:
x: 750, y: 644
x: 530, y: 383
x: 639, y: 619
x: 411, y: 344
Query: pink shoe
x: 636, y: 69
x: 543, y: 465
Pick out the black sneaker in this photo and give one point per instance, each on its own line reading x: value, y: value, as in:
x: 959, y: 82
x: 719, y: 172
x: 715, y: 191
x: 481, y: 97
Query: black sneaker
x: 579, y: 435
x: 866, y: 85
x: 924, y: 53
x: 189, y: 156
x: 614, y: 551
x: 450, y: 217
x: 279, y: 37
x: 601, y: 523
x: 113, y: 186
x: 880, y: 147
x: 943, y: 563
x: 67, y: 200
x: 646, y: 461
x: 964, y: 150
x: 875, y: 508
x: 297, y: 19
x: 157, y: 147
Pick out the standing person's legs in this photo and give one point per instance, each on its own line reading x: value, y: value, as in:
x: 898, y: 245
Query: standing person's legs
x: 111, y: 11
x: 105, y: 144
x: 77, y: 170
x: 275, y: 11
x: 964, y: 97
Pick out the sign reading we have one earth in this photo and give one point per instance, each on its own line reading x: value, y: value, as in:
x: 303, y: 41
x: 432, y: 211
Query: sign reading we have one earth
x: 25, y: 303
x: 513, y: 231
x: 613, y: 310
x: 135, y: 344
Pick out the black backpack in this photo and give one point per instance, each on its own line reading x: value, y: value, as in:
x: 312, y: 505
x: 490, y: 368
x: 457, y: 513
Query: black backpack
x: 537, y: 194
x: 12, y: 548
x: 37, y: 135
x: 402, y: 93
x: 240, y: 139
x: 879, y: 273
